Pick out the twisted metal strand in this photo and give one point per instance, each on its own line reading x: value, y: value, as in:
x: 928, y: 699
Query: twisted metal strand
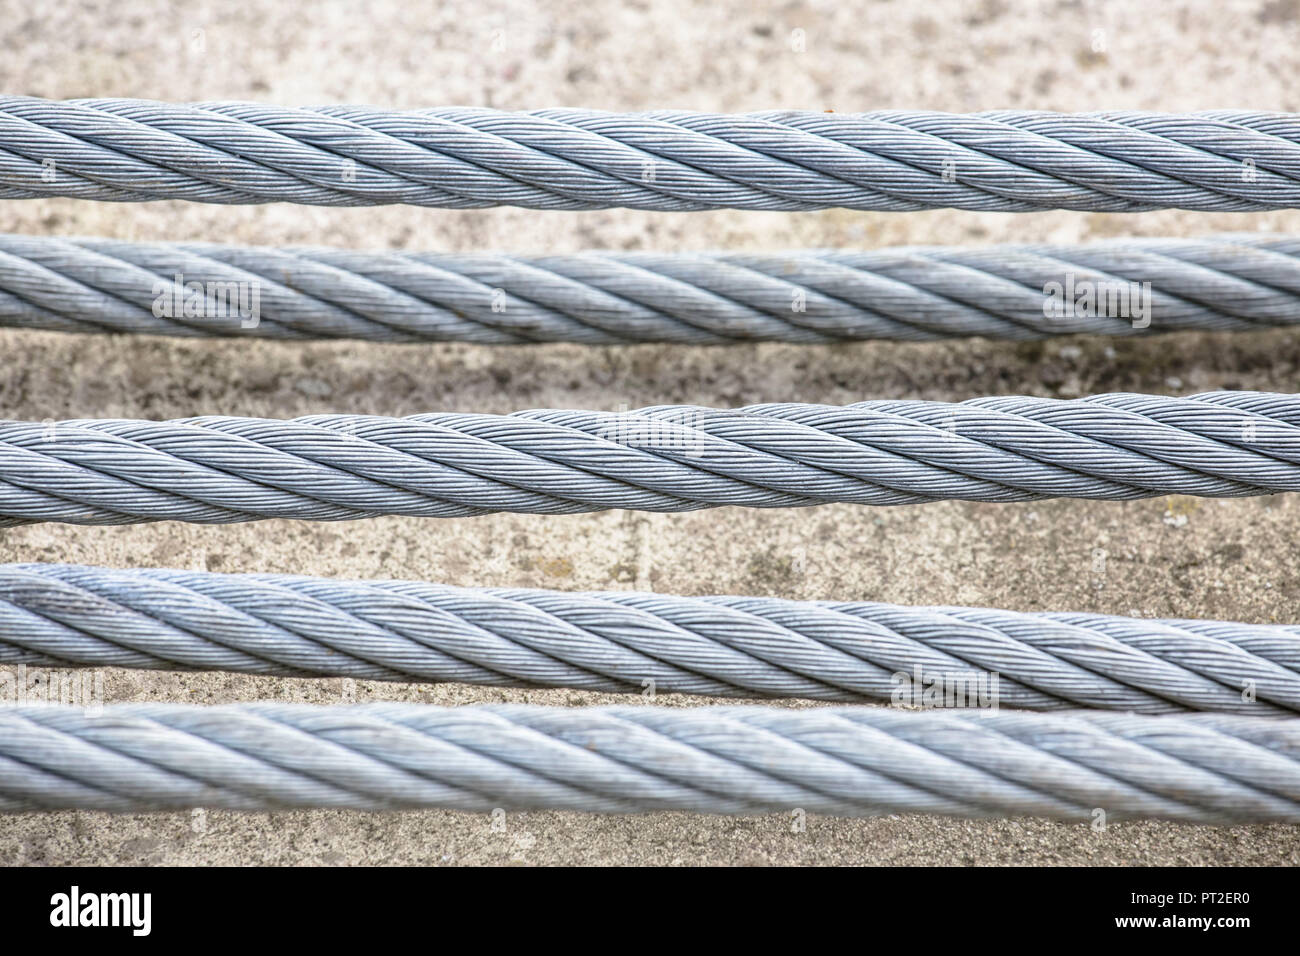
x: 1237, y: 282
x: 1202, y: 768
x: 56, y: 615
x: 668, y: 458
x: 463, y: 158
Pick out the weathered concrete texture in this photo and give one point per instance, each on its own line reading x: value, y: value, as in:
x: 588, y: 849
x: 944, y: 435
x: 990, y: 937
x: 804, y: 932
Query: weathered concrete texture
x: 1228, y: 559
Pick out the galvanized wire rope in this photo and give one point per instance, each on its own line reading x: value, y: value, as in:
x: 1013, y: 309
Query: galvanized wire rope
x: 1235, y: 282
x: 1200, y: 768
x: 1203, y: 768
x: 669, y: 458
x: 59, y: 615
x: 465, y: 158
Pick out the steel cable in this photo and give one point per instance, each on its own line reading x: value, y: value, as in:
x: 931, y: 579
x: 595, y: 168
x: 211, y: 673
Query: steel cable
x: 1121, y: 287
x: 464, y: 158
x: 1200, y: 768
x: 848, y: 651
x: 670, y: 458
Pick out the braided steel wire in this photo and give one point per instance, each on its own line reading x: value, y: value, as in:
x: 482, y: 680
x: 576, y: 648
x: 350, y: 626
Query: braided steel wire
x: 1200, y: 768
x: 56, y: 615
x: 464, y: 158
x: 670, y: 458
x: 1121, y: 287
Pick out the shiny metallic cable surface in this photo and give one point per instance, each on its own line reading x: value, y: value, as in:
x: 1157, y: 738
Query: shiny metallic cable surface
x: 862, y: 761
x: 621, y: 641
x: 669, y: 458
x: 467, y: 158
x: 1114, y: 287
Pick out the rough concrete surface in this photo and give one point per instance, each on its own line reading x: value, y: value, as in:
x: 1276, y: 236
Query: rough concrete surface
x: 1181, y: 557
